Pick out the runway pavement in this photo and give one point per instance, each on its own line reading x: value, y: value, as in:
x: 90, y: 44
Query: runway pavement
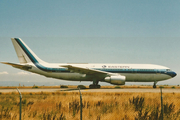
x: 134, y: 90
x: 144, y: 90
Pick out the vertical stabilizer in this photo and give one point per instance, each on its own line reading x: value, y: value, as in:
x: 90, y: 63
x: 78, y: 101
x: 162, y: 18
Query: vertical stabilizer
x: 24, y: 53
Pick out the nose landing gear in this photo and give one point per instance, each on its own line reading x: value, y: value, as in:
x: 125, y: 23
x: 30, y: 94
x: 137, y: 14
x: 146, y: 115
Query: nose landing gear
x: 154, y: 86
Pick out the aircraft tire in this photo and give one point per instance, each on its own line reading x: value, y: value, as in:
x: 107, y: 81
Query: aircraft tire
x: 94, y: 86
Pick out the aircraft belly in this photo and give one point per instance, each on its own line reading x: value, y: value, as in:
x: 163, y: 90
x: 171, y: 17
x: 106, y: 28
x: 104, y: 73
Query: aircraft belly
x: 71, y: 76
x: 59, y: 75
x: 135, y: 77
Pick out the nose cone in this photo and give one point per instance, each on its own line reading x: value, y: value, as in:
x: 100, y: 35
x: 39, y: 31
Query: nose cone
x: 172, y: 74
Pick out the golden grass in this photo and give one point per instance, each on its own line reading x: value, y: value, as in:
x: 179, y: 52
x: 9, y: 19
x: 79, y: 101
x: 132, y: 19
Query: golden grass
x: 96, y: 106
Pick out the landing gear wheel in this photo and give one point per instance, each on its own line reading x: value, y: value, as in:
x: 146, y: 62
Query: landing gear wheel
x: 154, y: 86
x: 94, y: 86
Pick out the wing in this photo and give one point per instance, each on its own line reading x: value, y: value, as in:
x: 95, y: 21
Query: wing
x: 87, y: 71
x: 24, y: 67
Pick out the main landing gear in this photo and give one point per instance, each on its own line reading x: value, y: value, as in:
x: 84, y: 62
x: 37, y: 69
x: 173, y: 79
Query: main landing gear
x: 94, y: 85
x: 154, y: 86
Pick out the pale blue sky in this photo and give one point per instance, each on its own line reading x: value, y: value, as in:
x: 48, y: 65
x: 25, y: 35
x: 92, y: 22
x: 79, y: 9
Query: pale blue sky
x: 91, y: 31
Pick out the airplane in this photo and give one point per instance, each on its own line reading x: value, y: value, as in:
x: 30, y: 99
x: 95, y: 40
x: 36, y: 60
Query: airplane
x: 116, y: 74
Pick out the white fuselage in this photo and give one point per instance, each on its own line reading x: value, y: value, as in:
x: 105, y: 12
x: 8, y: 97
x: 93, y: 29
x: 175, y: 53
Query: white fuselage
x: 133, y: 72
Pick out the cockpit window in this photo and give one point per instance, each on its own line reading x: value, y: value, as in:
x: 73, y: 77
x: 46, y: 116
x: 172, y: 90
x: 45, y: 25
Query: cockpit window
x: 168, y: 70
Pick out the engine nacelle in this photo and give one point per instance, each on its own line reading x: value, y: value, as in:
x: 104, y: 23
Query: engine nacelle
x: 116, y: 80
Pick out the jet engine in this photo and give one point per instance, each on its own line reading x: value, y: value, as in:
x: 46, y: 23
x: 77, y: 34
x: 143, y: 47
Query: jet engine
x: 116, y: 80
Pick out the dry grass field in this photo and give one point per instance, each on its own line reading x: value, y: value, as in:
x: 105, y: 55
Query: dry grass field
x: 96, y: 106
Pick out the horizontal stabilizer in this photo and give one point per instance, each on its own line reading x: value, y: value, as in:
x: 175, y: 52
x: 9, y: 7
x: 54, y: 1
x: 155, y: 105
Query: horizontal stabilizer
x: 24, y: 67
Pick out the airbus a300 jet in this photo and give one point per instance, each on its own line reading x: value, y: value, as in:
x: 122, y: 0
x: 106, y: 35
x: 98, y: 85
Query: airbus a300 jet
x: 116, y: 74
